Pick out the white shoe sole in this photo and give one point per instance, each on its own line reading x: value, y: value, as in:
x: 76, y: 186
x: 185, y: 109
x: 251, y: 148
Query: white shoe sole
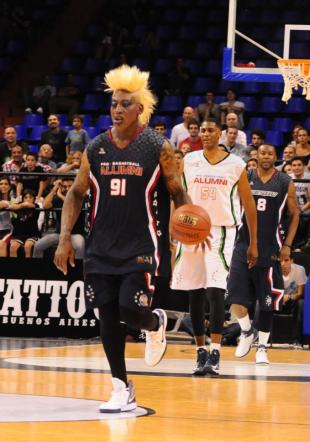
x: 128, y: 407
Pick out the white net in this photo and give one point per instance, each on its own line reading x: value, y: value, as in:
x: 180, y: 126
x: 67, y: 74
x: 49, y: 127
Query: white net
x: 296, y: 73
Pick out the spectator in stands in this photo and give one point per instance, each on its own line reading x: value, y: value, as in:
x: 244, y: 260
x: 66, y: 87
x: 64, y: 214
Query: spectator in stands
x: 303, y: 146
x: 180, y: 79
x: 161, y: 128
x: 180, y: 131
x: 10, y: 137
x: 73, y: 163
x: 35, y: 183
x: 303, y: 198
x: 294, y: 277
x: 193, y: 141
x: 6, y: 227
x: 106, y: 48
x: 151, y: 45
x: 253, y: 153
x: 287, y: 168
x: 289, y: 153
x: 67, y: 98
x: 77, y: 138
x: 257, y: 138
x: 232, y: 146
x: 295, y: 130
x: 56, y: 138
x: 26, y: 230
x: 232, y: 105
x: 251, y: 164
x: 232, y: 121
x: 15, y: 164
x: 208, y: 109
x: 40, y: 98
x: 179, y: 160
x: 55, y: 199
x: 45, y: 158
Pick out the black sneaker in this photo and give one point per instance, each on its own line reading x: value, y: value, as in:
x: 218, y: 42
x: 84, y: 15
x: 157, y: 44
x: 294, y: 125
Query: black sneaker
x: 202, y: 356
x: 213, y: 362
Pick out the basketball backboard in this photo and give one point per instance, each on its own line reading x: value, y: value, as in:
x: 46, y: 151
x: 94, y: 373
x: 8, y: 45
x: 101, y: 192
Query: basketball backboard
x: 246, y: 57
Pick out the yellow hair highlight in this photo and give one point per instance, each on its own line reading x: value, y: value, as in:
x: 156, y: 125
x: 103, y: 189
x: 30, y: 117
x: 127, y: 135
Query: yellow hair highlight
x: 132, y: 80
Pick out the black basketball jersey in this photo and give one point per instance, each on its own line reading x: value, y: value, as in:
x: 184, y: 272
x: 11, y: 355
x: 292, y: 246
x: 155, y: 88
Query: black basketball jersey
x: 130, y: 205
x: 270, y: 199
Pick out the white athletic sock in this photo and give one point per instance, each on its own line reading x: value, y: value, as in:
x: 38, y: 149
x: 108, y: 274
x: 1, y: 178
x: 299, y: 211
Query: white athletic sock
x: 201, y: 346
x: 245, y: 323
x: 214, y: 346
x: 263, y: 338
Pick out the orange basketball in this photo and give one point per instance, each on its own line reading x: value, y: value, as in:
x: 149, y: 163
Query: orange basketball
x: 190, y: 224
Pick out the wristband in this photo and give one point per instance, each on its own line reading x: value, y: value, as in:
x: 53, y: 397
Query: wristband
x: 287, y: 245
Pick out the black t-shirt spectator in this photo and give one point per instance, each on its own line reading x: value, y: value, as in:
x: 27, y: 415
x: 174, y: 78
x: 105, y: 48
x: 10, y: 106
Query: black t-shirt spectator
x: 31, y: 181
x: 25, y: 224
x: 80, y: 222
x: 5, y: 152
x: 58, y: 143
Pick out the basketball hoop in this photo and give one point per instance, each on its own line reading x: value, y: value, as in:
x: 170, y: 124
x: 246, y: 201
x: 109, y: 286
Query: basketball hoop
x: 296, y: 72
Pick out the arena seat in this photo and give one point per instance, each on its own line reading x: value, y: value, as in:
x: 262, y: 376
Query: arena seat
x: 72, y: 65
x: 35, y: 134
x: 282, y: 124
x: 195, y: 100
x: 31, y: 120
x: 295, y: 105
x: 270, y: 105
x: 202, y: 85
x: 172, y: 16
x: 274, y: 137
x: 92, y: 131
x: 83, y: 48
x: 164, y: 118
x: 249, y: 103
x: 195, y: 66
x: 258, y: 123
x: 176, y: 49
x: 250, y: 87
x: 162, y: 66
x: 63, y: 119
x: 94, y: 66
x: 93, y: 102
x: 21, y: 132
x: 307, y: 123
x: 194, y: 16
x: 103, y: 122
x: 171, y: 103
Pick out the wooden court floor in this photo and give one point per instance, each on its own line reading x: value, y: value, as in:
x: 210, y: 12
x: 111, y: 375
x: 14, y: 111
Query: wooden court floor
x: 242, y: 404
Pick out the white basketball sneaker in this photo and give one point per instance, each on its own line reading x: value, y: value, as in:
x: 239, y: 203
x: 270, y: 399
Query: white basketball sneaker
x: 155, y: 341
x: 261, y: 355
x: 123, y: 398
x: 245, y: 342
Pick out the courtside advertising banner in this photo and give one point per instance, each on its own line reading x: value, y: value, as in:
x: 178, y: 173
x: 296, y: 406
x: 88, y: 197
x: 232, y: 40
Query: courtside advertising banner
x: 37, y: 300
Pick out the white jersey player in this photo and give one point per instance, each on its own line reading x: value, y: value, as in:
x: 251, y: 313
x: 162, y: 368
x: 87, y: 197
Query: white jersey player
x: 215, y: 180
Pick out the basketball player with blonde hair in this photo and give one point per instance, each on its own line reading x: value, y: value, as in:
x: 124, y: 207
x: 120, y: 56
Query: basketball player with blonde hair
x: 131, y: 172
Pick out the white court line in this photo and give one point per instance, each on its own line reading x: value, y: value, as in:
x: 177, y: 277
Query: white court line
x: 167, y: 366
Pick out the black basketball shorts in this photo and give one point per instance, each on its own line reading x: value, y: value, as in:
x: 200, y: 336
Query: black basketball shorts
x: 263, y: 284
x: 132, y: 289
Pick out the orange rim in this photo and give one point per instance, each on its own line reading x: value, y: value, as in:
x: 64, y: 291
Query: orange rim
x: 304, y: 64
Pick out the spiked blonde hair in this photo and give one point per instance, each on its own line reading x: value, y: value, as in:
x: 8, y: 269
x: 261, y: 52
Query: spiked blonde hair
x: 132, y: 80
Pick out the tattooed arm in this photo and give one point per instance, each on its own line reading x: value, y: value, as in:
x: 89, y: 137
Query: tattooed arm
x: 171, y: 177
x: 70, y: 212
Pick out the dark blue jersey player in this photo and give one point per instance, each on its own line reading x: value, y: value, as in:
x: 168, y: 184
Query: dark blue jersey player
x: 273, y: 192
x: 131, y: 171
